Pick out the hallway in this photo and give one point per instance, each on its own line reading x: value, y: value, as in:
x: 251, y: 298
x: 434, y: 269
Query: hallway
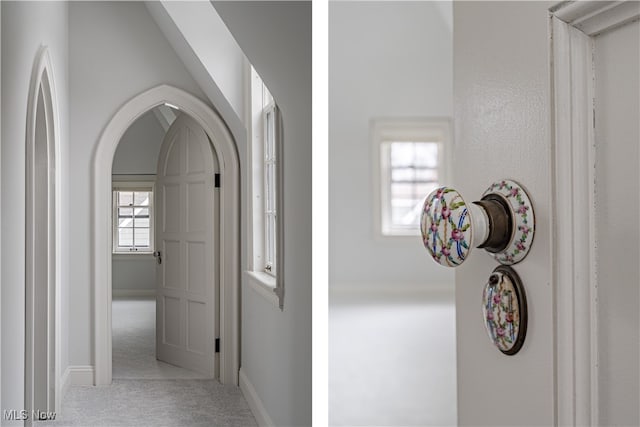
x: 147, y: 392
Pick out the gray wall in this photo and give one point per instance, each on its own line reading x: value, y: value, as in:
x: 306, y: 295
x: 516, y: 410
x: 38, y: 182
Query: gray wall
x: 386, y: 59
x: 276, y: 345
x: 26, y: 26
x: 116, y: 52
x: 137, y: 154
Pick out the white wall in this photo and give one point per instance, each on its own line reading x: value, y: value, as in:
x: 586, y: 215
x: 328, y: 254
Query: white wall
x: 116, y: 52
x: 208, y: 51
x: 133, y: 273
x: 26, y: 26
x: 216, y: 49
x: 137, y: 154
x: 386, y: 59
x: 139, y: 147
x: 502, y: 116
x: 276, y: 345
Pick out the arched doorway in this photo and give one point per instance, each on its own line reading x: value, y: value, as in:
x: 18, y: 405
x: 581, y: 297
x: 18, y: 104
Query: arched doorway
x: 42, y: 243
x: 229, y: 253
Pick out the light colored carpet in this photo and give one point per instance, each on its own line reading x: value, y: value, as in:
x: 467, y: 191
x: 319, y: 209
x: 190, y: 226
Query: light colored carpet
x: 146, y: 392
x: 134, y: 343
x: 392, y: 362
x: 155, y: 403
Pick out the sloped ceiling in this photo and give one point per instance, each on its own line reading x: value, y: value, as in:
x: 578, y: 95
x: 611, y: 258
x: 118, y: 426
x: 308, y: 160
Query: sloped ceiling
x: 276, y: 38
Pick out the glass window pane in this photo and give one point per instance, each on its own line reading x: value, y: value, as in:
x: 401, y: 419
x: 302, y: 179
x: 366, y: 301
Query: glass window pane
x: 401, y: 154
x: 142, y: 237
x: 141, y: 198
x: 141, y: 222
x: 125, y: 198
x: 125, y: 222
x: 423, y: 174
x: 426, y: 154
x: 403, y: 174
x: 125, y: 212
x: 272, y: 189
x: 414, y: 174
x: 125, y: 237
x: 269, y: 186
x: 267, y: 243
x: 272, y: 239
x: 142, y: 212
x: 269, y: 131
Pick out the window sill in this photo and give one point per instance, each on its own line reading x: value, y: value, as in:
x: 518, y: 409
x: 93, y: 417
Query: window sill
x: 406, y: 235
x: 132, y: 255
x: 263, y: 284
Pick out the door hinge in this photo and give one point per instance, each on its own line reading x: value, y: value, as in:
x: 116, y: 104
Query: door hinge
x: 217, y: 345
x: 217, y: 180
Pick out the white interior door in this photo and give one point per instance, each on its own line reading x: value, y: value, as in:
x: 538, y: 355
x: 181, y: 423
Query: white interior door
x: 617, y: 140
x: 186, y: 277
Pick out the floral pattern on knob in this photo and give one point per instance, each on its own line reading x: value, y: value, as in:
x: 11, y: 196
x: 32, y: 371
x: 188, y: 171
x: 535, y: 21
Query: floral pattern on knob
x: 446, y: 227
x: 504, y: 310
x: 523, y: 220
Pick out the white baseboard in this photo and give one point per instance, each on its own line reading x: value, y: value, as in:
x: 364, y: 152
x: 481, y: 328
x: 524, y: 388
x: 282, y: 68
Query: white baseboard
x: 133, y: 293
x: 64, y: 383
x: 255, y: 404
x: 77, y: 375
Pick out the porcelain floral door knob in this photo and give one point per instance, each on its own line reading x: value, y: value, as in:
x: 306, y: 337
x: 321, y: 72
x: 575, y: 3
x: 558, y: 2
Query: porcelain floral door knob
x: 502, y: 223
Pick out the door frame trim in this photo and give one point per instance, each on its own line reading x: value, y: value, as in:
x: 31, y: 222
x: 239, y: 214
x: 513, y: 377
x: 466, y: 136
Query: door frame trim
x: 572, y: 27
x: 224, y: 145
x: 42, y: 81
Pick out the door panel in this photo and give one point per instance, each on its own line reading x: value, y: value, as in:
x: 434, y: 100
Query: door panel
x: 502, y: 130
x: 186, y: 277
x: 617, y: 138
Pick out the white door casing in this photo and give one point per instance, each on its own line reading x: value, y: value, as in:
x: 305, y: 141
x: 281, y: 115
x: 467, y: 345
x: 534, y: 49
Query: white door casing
x: 574, y: 26
x: 186, y: 276
x: 42, y: 242
x: 229, y: 236
x: 617, y: 140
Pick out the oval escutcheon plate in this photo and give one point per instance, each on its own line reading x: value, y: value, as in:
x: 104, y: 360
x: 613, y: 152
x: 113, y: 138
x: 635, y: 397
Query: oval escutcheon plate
x: 504, y: 309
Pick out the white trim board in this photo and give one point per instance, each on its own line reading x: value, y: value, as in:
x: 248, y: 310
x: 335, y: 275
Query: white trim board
x: 255, y: 404
x: 133, y: 293
x: 42, y: 84
x: 78, y: 375
x: 572, y: 28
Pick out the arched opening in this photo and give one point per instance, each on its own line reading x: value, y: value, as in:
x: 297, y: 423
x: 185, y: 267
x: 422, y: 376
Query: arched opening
x: 165, y: 274
x: 42, y: 265
x: 229, y: 237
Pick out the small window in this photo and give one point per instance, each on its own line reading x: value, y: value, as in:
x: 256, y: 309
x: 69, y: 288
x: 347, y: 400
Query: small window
x: 266, y: 228
x: 411, y: 162
x: 132, y: 219
x: 269, y: 167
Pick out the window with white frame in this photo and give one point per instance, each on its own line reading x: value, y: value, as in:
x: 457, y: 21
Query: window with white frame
x: 132, y: 218
x: 266, y: 180
x: 411, y: 162
x: 266, y: 230
x: 269, y: 179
